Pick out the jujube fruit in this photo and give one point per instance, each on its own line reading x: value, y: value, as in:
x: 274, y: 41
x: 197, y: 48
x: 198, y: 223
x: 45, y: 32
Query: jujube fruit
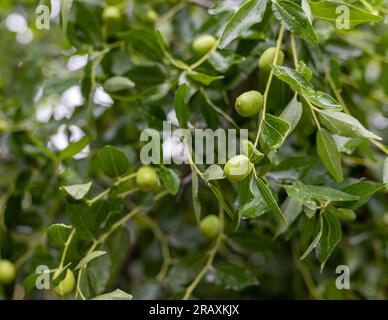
x: 111, y: 13
x: 7, y: 271
x: 203, y: 44
x: 67, y: 285
x: 249, y: 103
x: 210, y: 226
x: 267, y: 59
x: 146, y: 178
x: 237, y: 168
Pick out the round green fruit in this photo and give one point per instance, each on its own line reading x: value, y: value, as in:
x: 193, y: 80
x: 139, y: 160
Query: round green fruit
x: 267, y: 58
x: 203, y: 44
x: 210, y: 226
x: 249, y: 103
x: 237, y: 168
x: 67, y: 285
x: 111, y: 13
x: 7, y: 272
x: 152, y: 16
x: 146, y: 178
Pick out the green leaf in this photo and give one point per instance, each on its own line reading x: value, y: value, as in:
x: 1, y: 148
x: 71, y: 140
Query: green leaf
x: 180, y: 105
x: 345, y: 144
x: 315, y: 242
x: 114, y: 295
x: 223, y: 60
x: 214, y: 172
x: 254, y: 205
x: 91, y: 256
x: 65, y: 11
x: 87, y: 219
x: 163, y: 47
x: 77, y: 191
x: 303, y: 193
x: 292, y: 113
x: 170, y: 180
x: 118, y: 83
x: 273, y: 133
x: 218, y: 194
x: 57, y: 235
x: 293, y: 78
x: 225, y: 6
x: 328, y: 10
x: 345, y: 125
x: 194, y: 192
x: 300, y: 84
x: 254, y: 155
x: 218, y: 110
x: 294, y: 19
x: 234, y: 277
x: 249, y: 14
x: 322, y: 100
x: 304, y: 70
x: 363, y: 190
x: 385, y: 171
x: 144, y: 42
x: 291, y: 211
x: 343, y: 213
x: 203, y: 78
x: 331, y: 236
x: 328, y: 152
x: 267, y: 194
x: 114, y: 162
x: 73, y: 148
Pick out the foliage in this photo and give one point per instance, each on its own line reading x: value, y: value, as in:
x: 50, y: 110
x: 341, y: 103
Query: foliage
x: 316, y: 196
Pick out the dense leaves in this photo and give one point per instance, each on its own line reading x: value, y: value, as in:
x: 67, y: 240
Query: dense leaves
x: 96, y: 186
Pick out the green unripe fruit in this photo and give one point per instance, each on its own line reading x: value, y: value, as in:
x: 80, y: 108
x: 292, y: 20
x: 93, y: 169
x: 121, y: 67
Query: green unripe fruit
x: 152, y: 16
x: 146, y: 178
x: 249, y: 103
x: 267, y: 58
x: 210, y: 226
x: 203, y: 44
x: 7, y: 272
x: 237, y: 168
x: 111, y: 13
x: 67, y: 285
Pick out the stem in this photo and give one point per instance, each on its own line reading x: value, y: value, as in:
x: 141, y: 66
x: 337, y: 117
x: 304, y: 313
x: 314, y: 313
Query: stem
x: 296, y: 63
x: 217, y: 109
x: 104, y: 193
x: 204, y: 57
x: 212, y: 253
x: 268, y: 86
x: 172, y: 12
x: 308, y: 280
x: 294, y: 51
x: 163, y: 243
x: 105, y: 236
x: 65, y: 249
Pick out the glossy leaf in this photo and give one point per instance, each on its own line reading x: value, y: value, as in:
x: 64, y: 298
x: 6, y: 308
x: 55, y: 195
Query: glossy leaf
x: 345, y: 125
x: 332, y: 10
x: 331, y: 236
x: 170, y: 180
x: 113, y: 161
x: 249, y: 14
x: 329, y: 154
x: 273, y: 133
x: 294, y: 19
